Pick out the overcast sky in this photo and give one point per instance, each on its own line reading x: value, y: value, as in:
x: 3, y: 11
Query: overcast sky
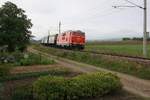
x: 96, y: 18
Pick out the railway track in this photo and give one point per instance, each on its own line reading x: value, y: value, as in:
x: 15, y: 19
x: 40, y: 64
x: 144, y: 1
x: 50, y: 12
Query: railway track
x: 118, y: 55
x: 138, y: 59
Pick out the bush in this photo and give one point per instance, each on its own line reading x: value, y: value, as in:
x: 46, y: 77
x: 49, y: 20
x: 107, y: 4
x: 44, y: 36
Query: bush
x: 82, y: 86
x: 49, y: 88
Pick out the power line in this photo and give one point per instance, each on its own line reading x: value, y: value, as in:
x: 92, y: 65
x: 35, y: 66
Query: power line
x: 134, y: 4
x: 122, y: 6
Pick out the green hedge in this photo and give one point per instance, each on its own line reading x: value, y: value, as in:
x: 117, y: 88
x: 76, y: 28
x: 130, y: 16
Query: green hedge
x: 82, y: 86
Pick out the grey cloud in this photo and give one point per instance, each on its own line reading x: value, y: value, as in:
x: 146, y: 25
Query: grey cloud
x: 96, y: 17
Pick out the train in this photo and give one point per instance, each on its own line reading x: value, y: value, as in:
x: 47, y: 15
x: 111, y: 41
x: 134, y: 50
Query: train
x: 68, y: 39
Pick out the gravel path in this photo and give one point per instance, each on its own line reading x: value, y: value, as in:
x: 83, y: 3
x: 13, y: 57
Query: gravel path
x: 132, y: 84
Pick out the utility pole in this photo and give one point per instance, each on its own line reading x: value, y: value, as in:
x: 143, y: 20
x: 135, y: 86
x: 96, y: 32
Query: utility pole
x: 145, y: 36
x: 145, y: 30
x: 48, y: 32
x: 59, y: 27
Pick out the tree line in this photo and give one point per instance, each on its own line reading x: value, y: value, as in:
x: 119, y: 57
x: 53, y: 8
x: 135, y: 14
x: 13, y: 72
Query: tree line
x: 134, y: 38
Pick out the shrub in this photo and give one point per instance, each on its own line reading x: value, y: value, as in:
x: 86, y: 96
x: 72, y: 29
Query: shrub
x: 82, y: 86
x: 49, y: 88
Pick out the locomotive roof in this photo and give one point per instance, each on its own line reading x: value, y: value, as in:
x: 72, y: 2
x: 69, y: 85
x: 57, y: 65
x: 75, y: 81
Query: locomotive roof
x: 79, y: 31
x: 49, y: 36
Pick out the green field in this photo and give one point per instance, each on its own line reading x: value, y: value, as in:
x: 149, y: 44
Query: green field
x: 117, y: 48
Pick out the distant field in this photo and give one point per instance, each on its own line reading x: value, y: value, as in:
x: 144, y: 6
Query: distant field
x: 123, y: 48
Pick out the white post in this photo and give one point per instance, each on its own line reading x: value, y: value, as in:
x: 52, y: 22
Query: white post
x: 145, y: 30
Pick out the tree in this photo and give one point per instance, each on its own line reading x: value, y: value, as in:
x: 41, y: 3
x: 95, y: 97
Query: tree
x: 126, y: 39
x: 14, y: 27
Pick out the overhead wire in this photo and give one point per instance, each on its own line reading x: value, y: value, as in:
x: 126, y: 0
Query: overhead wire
x: 134, y: 4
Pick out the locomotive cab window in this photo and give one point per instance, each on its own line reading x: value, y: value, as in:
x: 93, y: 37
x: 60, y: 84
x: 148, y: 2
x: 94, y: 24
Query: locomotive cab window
x: 78, y: 34
x: 74, y: 33
x: 63, y: 38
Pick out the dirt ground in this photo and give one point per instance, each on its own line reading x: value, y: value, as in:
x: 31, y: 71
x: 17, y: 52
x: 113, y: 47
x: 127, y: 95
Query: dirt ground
x: 120, y: 95
x: 9, y: 87
x: 34, y: 68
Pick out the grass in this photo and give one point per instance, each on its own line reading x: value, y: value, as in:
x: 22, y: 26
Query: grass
x: 124, y: 66
x: 25, y: 59
x: 54, y: 71
x: 4, y: 70
x: 34, y: 59
x: 120, y: 95
x: 118, y: 48
x: 24, y: 92
x: 1, y: 89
